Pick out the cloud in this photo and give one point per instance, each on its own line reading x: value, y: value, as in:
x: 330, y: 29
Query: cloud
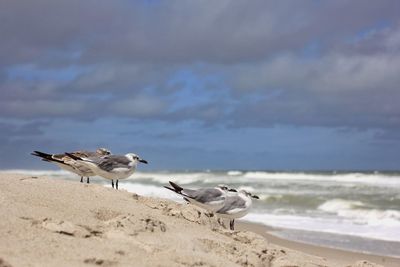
x: 19, y: 130
x: 142, y: 106
x: 121, y: 59
x: 93, y: 32
x: 42, y: 108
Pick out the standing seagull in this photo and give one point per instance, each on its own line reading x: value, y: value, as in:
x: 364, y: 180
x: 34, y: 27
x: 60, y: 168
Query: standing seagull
x: 112, y: 167
x: 67, y: 163
x: 236, y: 206
x: 210, y: 199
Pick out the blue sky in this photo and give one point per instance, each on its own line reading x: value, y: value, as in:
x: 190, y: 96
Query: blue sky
x: 282, y: 85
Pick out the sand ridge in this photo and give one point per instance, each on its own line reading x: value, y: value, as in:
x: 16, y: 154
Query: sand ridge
x: 51, y: 222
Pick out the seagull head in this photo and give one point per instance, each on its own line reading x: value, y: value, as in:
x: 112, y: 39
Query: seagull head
x: 223, y: 187
x: 103, y: 151
x: 135, y: 158
x: 249, y: 194
x: 254, y: 196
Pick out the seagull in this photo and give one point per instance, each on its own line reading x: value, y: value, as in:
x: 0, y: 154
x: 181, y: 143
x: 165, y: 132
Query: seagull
x: 236, y: 206
x: 112, y: 167
x: 210, y: 199
x: 67, y: 163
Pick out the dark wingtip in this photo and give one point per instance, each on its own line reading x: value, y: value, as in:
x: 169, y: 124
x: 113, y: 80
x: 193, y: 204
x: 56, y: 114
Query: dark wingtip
x: 175, y: 186
x: 38, y: 153
x: 46, y: 157
x: 41, y: 155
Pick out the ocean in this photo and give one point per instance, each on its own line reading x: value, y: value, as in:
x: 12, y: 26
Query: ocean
x: 358, y: 211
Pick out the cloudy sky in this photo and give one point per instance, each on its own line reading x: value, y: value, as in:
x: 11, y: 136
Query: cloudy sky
x: 285, y: 85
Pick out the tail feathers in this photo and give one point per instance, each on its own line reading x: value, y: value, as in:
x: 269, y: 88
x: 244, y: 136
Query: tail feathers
x: 41, y: 154
x: 46, y: 157
x: 177, y: 188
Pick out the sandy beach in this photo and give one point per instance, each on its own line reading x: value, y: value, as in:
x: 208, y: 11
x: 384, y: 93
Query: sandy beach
x: 47, y: 222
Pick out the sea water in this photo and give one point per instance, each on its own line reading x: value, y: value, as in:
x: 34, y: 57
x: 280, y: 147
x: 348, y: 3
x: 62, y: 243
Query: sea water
x: 357, y: 211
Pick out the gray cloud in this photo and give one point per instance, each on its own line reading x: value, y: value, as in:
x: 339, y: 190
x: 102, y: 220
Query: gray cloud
x: 127, y: 52
x: 172, y: 31
x: 20, y: 130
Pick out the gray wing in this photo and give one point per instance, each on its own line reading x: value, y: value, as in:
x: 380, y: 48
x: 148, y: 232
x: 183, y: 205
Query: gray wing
x: 204, y: 195
x: 232, y: 202
x: 84, y: 154
x: 108, y: 163
x: 59, y: 156
x: 80, y: 153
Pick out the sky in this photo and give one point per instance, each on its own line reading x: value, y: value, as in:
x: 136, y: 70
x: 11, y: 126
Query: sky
x: 194, y: 85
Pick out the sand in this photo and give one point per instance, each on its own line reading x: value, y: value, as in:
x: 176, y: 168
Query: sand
x: 50, y: 222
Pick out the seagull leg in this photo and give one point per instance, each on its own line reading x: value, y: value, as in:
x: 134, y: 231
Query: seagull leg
x: 87, y: 180
x: 112, y: 183
x: 232, y: 224
x: 116, y: 184
x: 221, y: 222
x: 81, y: 179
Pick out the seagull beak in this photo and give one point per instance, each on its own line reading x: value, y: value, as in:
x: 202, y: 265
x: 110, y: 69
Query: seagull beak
x: 232, y: 190
x: 143, y: 161
x: 254, y: 196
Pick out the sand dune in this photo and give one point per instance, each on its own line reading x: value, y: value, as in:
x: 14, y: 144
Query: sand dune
x: 49, y: 222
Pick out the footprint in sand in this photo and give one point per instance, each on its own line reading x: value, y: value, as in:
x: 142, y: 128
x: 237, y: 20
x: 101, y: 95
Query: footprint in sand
x: 99, y: 262
x: 104, y: 214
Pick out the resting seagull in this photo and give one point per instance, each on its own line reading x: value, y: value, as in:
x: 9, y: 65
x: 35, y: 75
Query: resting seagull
x: 210, y: 199
x: 67, y: 163
x: 236, y: 206
x: 112, y: 167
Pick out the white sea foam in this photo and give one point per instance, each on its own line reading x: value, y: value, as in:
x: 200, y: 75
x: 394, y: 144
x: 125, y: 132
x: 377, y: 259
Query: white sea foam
x: 335, y: 205
x: 344, y: 179
x: 356, y: 211
x: 247, y: 188
x: 389, y: 231
x: 57, y: 173
x: 375, y: 179
x: 181, y: 177
x: 234, y: 173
